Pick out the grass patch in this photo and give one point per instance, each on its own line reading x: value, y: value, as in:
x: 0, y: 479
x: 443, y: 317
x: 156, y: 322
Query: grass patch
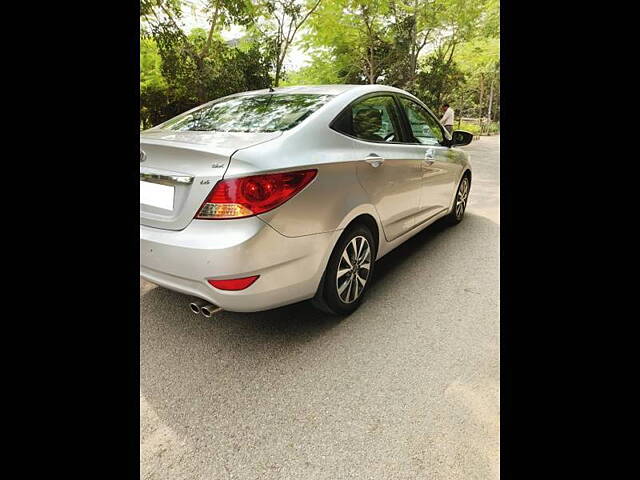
x: 474, y: 128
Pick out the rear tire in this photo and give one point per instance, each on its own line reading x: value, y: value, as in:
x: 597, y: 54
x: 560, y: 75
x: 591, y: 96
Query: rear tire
x: 460, y: 201
x: 348, y: 273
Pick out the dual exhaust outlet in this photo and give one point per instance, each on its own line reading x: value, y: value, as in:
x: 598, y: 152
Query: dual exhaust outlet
x: 205, y: 308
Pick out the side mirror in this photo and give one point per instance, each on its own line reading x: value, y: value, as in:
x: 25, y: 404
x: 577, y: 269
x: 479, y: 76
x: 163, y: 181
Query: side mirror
x: 460, y: 138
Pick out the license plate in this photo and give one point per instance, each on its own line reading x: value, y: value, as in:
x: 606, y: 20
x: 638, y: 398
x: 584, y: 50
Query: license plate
x: 157, y: 195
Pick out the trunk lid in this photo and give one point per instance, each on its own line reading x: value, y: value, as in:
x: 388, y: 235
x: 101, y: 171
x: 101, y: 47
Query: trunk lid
x: 179, y: 169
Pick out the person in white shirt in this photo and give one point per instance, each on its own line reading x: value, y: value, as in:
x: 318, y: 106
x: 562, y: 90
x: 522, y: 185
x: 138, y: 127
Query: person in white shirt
x: 447, y: 118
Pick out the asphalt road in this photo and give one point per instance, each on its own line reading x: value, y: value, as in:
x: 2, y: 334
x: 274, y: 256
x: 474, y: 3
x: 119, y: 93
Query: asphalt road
x: 405, y: 388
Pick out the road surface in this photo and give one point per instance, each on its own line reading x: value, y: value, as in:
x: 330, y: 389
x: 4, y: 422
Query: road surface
x: 405, y: 388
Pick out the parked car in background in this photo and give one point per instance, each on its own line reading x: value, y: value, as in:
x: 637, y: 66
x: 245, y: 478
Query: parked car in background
x: 270, y: 197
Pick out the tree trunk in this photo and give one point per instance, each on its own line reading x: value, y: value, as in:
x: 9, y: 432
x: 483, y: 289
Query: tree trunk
x: 372, y: 69
x: 480, y: 103
x: 495, y: 110
x: 497, y: 104
x: 490, y: 99
x: 414, y: 47
x: 212, y: 28
x: 276, y: 82
x: 460, y: 108
x: 481, y: 99
x: 280, y: 62
x: 278, y: 69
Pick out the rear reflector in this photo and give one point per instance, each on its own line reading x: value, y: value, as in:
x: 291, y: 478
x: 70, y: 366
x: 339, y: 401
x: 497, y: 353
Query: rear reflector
x: 233, y: 284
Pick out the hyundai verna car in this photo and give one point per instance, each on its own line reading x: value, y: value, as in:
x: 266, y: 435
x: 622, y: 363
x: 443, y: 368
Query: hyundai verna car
x: 271, y: 197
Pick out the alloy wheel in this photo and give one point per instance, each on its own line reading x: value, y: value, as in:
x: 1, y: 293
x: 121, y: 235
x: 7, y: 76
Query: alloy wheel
x: 462, y: 197
x: 353, y: 269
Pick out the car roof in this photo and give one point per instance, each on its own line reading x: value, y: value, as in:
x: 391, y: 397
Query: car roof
x: 326, y: 89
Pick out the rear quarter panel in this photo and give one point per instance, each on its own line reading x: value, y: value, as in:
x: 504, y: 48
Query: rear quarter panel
x: 330, y: 201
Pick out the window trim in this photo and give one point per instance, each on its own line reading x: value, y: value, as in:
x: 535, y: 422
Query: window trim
x: 446, y: 142
x: 399, y: 113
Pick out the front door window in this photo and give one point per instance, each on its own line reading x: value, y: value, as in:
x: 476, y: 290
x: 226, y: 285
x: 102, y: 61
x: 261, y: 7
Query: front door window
x: 424, y: 127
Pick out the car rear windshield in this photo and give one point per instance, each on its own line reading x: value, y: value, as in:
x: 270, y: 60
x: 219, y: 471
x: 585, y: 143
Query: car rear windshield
x: 250, y: 113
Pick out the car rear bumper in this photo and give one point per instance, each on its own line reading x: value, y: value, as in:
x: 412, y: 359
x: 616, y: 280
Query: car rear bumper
x: 289, y: 268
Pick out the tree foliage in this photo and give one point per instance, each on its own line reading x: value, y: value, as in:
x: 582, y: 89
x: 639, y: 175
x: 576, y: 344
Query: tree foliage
x: 277, y: 22
x: 437, y: 49
x: 198, y: 66
x: 356, y: 34
x: 410, y: 44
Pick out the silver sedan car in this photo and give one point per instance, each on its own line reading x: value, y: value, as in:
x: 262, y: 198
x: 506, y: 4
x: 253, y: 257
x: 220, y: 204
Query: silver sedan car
x: 271, y: 197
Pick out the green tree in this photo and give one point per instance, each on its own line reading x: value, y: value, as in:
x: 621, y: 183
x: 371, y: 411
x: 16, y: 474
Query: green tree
x: 480, y: 60
x: 150, y: 65
x: 444, y: 75
x: 437, y: 80
x: 415, y: 23
x: 384, y: 40
x: 436, y: 49
x: 198, y: 66
x: 278, y: 22
x: 321, y: 70
x: 357, y: 35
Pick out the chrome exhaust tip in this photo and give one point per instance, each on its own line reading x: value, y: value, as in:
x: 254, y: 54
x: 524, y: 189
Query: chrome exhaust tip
x: 208, y: 310
x: 196, y: 307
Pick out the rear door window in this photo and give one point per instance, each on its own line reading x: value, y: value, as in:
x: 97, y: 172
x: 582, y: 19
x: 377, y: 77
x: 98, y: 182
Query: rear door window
x: 374, y: 119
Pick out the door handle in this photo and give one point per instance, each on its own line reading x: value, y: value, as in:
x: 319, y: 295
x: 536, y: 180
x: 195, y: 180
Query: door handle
x: 374, y: 160
x: 429, y: 157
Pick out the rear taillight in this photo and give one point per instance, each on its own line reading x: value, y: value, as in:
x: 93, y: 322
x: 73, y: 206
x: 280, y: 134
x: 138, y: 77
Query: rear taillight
x: 234, y: 283
x: 247, y: 196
